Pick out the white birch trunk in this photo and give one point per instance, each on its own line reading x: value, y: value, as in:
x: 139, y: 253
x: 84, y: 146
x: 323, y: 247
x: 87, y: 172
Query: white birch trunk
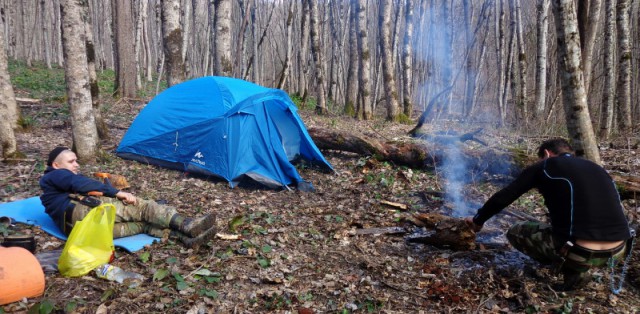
x: 389, y: 82
x: 365, y: 108
x: 608, y: 94
x: 574, y: 95
x: 321, y: 104
x: 624, y: 67
x: 407, y: 66
x: 224, y: 62
x: 83, y: 125
x: 542, y: 25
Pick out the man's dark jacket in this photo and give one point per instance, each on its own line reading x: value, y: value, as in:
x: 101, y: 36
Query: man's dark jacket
x: 56, y: 186
x: 581, y: 197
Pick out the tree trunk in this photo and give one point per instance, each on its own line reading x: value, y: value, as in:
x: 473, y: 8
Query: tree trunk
x: 7, y: 100
x: 364, y: 109
x: 123, y: 31
x: 407, y: 66
x: 101, y: 125
x: 608, y: 94
x: 224, y: 61
x: 303, y: 55
x: 321, y: 103
x: 624, y: 68
x: 172, y: 35
x: 287, y: 57
x: 352, y: 71
x: 499, y: 30
x: 522, y: 101
x: 8, y: 104
x: 588, y: 21
x: 574, y: 96
x: 542, y: 25
x: 85, y: 134
x: 389, y: 81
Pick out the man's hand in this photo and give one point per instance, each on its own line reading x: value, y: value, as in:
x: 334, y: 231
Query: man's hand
x: 127, y: 198
x: 472, y: 225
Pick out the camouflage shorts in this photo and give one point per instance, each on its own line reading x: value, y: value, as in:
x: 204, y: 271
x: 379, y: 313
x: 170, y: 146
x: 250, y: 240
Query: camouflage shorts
x: 536, y: 240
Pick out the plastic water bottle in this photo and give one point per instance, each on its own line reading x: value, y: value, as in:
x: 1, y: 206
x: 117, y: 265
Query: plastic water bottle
x: 115, y: 273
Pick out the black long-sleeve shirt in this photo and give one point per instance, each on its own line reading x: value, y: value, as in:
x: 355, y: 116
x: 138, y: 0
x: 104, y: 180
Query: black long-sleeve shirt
x: 580, y: 195
x: 57, y: 184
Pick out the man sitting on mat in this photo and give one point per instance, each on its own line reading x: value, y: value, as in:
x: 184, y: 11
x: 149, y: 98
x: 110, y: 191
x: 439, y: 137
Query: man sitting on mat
x: 61, y: 181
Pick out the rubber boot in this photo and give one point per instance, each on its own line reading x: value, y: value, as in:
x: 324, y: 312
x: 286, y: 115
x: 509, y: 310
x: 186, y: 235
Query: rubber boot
x: 190, y: 226
x: 193, y: 242
x: 573, y: 279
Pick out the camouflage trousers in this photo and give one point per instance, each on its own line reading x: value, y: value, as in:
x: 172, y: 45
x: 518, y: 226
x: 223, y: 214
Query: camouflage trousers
x: 145, y: 217
x: 536, y: 240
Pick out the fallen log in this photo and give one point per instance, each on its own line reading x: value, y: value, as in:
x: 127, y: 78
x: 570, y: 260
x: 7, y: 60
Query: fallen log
x: 481, y: 162
x: 443, y: 231
x: 628, y: 186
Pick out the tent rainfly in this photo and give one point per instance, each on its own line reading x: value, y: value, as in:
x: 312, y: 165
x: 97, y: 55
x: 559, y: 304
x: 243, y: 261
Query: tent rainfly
x: 223, y: 127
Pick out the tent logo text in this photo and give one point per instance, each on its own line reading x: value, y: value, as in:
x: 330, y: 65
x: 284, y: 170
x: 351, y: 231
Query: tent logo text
x: 198, y: 155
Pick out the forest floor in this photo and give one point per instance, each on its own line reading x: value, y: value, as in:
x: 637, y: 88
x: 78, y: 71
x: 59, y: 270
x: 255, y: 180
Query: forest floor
x: 298, y: 252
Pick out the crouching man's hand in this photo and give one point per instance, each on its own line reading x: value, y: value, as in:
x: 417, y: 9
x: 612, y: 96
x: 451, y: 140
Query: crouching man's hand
x: 472, y: 225
x: 127, y: 197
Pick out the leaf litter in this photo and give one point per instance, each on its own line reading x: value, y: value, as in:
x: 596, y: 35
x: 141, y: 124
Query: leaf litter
x: 297, y: 252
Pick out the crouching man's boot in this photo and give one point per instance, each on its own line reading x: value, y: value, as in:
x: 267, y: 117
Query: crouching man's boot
x: 193, y: 242
x: 190, y: 226
x: 574, y: 280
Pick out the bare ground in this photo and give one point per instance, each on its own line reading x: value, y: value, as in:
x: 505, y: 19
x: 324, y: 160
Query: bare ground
x: 298, y: 252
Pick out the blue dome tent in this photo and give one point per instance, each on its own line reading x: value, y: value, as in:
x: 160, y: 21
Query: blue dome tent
x: 223, y: 127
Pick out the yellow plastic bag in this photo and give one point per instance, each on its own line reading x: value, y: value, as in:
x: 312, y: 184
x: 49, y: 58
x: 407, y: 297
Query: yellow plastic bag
x: 90, y: 243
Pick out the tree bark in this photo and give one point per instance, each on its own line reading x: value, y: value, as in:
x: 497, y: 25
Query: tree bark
x: 522, y: 101
x: 172, y: 35
x: 624, y: 68
x: 588, y: 22
x: 83, y: 125
x: 7, y: 100
x: 407, y: 66
x: 101, y: 125
x: 542, y: 25
x: 224, y: 61
x: 573, y: 92
x: 608, y: 94
x: 123, y: 31
x: 389, y: 80
x: 321, y: 103
x: 352, y: 71
x: 365, y: 108
x: 284, y: 74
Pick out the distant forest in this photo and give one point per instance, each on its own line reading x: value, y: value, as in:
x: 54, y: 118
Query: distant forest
x: 487, y: 61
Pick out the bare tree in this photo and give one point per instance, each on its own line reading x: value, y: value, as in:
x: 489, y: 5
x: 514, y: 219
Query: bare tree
x: 7, y: 100
x: 321, y: 104
x: 101, y: 125
x: 542, y: 25
x: 224, y: 63
x: 85, y: 134
x: 352, y: 74
x: 588, y: 21
x: 523, y: 101
x: 389, y: 81
x: 624, y: 65
x: 573, y: 92
x: 407, y: 66
x: 7, y: 97
x: 172, y: 35
x: 608, y: 101
x: 284, y: 74
x: 125, y: 83
x: 364, y: 109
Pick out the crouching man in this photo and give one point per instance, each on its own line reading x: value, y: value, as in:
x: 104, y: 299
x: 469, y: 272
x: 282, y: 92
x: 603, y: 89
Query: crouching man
x: 588, y: 227
x: 61, y: 182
